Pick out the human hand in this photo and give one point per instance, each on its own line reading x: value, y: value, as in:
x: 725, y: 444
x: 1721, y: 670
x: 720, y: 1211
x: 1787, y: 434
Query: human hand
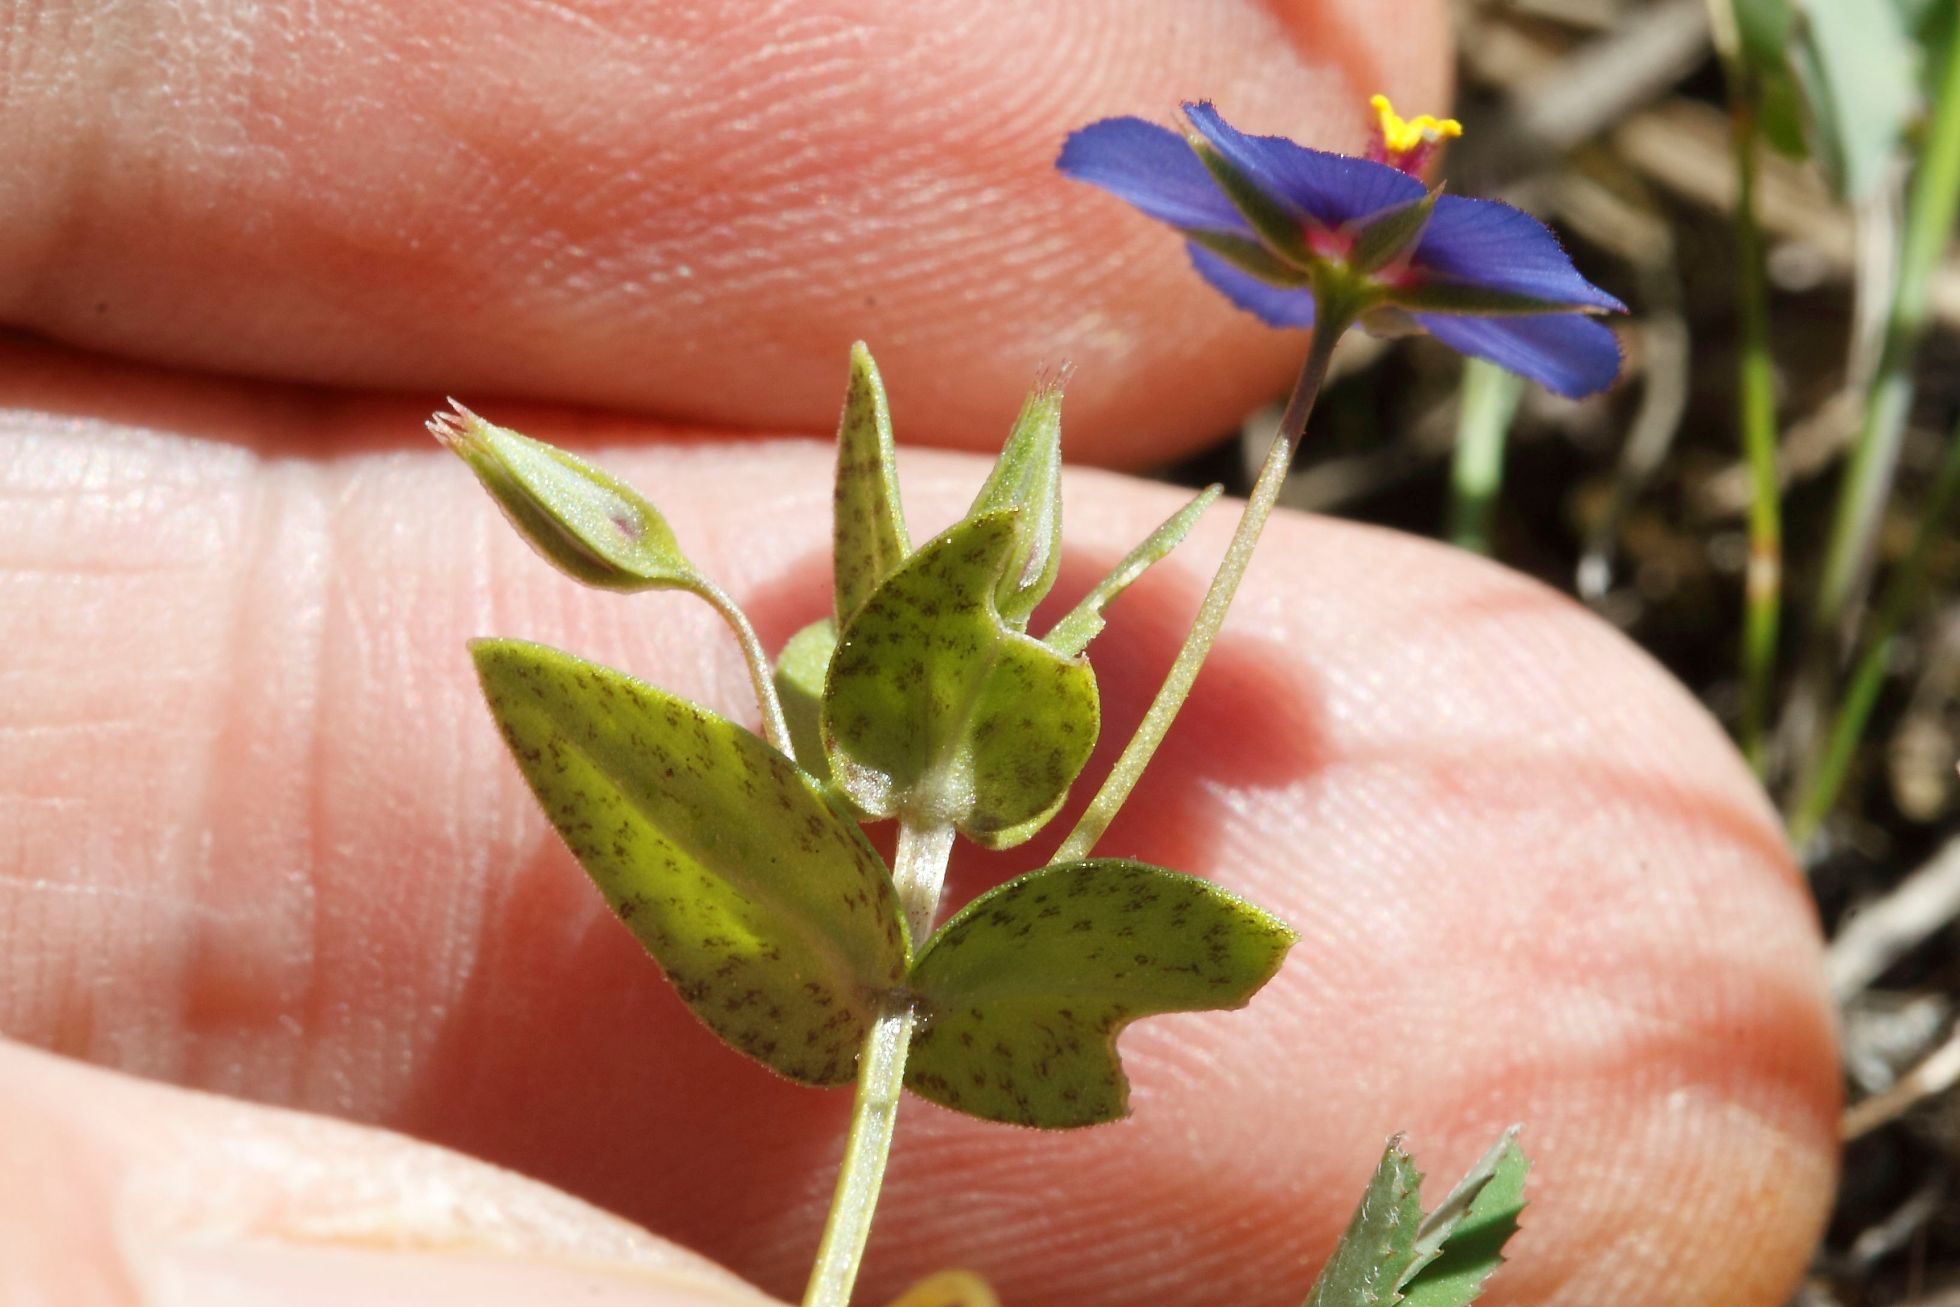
x: 261, y: 839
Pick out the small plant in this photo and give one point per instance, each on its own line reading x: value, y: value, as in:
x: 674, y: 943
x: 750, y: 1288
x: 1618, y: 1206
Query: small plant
x: 923, y: 698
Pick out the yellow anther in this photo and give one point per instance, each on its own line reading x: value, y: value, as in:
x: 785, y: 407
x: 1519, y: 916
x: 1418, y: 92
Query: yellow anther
x: 1400, y: 136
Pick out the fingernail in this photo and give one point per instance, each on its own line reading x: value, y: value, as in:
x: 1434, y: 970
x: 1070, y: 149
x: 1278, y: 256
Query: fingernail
x: 269, y: 1274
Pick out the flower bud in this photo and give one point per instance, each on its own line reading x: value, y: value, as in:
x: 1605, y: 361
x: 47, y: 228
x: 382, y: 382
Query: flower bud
x: 587, y: 523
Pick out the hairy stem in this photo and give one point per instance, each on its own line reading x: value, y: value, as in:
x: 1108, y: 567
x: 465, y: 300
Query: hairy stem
x: 919, y: 871
x: 1332, y: 322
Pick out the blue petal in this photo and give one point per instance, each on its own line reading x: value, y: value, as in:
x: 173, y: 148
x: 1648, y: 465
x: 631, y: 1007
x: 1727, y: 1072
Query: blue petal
x: 1276, y: 306
x: 1331, y: 189
x: 1154, y: 169
x: 1566, y: 352
x: 1484, y: 243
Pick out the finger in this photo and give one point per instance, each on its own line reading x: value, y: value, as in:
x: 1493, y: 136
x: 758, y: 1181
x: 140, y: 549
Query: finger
x: 659, y: 206
x: 145, y: 1196
x: 267, y: 842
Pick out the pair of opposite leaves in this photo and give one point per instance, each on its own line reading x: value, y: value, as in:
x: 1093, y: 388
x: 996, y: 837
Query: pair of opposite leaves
x: 747, y: 876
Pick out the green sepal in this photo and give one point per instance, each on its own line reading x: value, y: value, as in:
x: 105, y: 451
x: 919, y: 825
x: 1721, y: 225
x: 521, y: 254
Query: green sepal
x: 1028, y: 477
x: 767, y: 908
x: 580, y: 518
x: 1390, y: 235
x: 1378, y: 1248
x: 1084, y: 622
x: 1251, y: 257
x: 1431, y: 296
x: 1462, y: 1241
x: 799, y: 677
x: 1024, y: 991
x: 1278, y: 226
x: 868, y: 520
x: 936, y: 709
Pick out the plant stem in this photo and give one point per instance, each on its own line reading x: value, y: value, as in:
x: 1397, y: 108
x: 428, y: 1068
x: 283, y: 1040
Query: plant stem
x: 1868, y: 479
x: 774, y: 728
x: 1756, y: 414
x: 1333, y: 321
x: 918, y: 872
x: 1818, y: 792
x: 1486, y: 403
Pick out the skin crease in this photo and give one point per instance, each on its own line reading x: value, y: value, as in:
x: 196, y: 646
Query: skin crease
x: 260, y: 838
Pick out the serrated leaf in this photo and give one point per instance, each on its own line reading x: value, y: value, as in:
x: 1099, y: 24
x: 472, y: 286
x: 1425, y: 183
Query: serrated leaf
x: 580, y: 518
x: 771, y: 914
x: 799, y: 677
x: 1474, y: 1246
x: 936, y: 709
x: 1447, y: 1215
x: 1027, y: 478
x: 868, y: 522
x: 1084, y: 622
x: 1024, y: 991
x: 1379, y: 1244
x: 1860, y: 79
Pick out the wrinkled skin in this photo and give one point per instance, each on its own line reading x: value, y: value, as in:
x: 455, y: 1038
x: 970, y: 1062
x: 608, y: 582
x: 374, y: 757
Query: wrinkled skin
x: 258, y: 838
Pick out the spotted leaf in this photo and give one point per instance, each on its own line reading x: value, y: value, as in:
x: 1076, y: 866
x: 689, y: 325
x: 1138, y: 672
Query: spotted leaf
x: 1028, y: 478
x: 868, y: 522
x: 935, y: 708
x: 799, y: 677
x: 771, y: 914
x: 1024, y: 991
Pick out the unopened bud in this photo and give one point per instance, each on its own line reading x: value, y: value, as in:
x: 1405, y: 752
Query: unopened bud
x: 586, y: 522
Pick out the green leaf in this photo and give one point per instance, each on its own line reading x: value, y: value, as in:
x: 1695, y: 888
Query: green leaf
x: 771, y: 914
x: 1759, y: 49
x: 1379, y: 1244
x: 1025, y: 990
x: 582, y: 519
x: 1763, y: 29
x: 1028, y: 478
x: 1465, y: 1236
x: 937, y: 710
x: 1084, y: 622
x: 868, y: 523
x: 1861, y: 80
x: 799, y: 678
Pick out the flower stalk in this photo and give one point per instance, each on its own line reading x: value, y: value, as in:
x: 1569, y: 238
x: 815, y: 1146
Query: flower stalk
x: 1333, y: 318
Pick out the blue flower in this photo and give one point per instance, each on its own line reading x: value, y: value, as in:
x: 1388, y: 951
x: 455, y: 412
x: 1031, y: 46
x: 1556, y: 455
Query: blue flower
x: 1282, y: 231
